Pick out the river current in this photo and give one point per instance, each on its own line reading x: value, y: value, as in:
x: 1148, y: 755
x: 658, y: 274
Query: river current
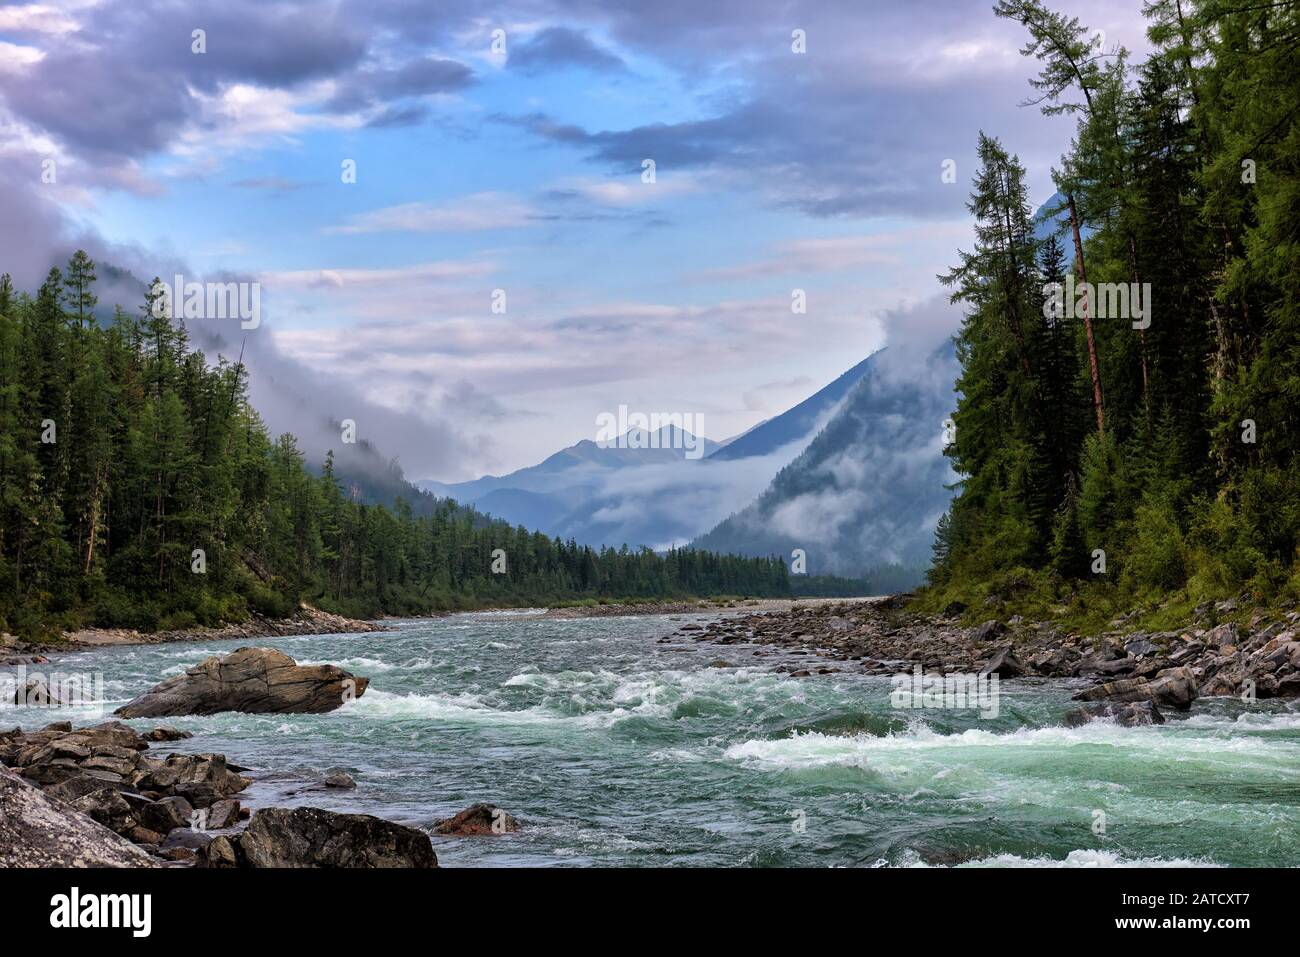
x: 614, y: 748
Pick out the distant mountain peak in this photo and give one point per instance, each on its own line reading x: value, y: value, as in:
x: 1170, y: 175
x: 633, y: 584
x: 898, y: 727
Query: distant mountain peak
x: 643, y: 486
x: 798, y: 422
x: 666, y: 437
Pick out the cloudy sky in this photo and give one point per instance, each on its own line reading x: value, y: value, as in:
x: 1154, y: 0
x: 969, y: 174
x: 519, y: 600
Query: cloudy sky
x: 514, y: 161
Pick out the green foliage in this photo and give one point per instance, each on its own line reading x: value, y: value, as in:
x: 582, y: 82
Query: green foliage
x: 1069, y: 550
x: 1184, y: 173
x: 1154, y: 559
x: 157, y: 455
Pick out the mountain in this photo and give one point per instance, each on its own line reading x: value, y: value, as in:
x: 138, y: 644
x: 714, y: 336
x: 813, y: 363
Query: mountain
x: 584, y: 464
x: 637, y: 494
x: 796, y: 423
x: 870, y: 487
x: 1047, y: 223
x: 600, y: 493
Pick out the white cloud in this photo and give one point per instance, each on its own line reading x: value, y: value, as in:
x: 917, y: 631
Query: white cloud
x: 839, y: 253
x: 487, y: 210
x: 420, y: 274
x: 14, y: 57
x: 629, y: 190
x: 39, y: 18
x: 242, y: 116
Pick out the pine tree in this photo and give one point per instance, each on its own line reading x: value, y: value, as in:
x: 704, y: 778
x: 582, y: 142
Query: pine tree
x: 79, y: 280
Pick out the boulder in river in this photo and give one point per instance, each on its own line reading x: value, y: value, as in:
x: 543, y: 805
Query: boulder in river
x: 1173, y: 688
x: 1131, y: 714
x: 251, y: 680
x: 311, y: 837
x: 475, y: 820
x: 338, y: 778
x: 166, y: 733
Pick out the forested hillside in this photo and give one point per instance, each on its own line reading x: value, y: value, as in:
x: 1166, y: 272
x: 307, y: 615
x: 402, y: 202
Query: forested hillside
x: 863, y: 497
x: 1110, y: 460
x: 139, y: 488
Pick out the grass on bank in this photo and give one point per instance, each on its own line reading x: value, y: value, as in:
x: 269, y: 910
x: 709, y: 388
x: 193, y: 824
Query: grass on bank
x: 1092, y: 607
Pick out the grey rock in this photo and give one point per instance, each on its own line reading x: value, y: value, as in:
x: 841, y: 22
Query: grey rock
x: 167, y: 815
x: 108, y: 807
x: 37, y: 830
x: 1222, y: 636
x: 1174, y: 687
x: 1131, y: 714
x: 221, y: 815
x: 251, y: 680
x: 338, y: 778
x: 220, y: 852
x: 1139, y: 646
x: 1004, y: 664
x: 311, y: 837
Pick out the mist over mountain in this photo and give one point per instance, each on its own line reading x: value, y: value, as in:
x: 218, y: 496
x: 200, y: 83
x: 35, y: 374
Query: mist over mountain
x: 869, y: 488
x: 646, y: 490
x: 584, y: 464
x: 632, y: 492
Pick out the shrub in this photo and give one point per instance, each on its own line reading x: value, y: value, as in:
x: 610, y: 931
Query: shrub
x: 1154, y: 558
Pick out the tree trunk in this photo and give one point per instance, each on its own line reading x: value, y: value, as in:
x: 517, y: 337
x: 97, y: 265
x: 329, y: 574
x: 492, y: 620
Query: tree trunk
x: 94, y: 519
x: 1087, y: 319
x: 1013, y: 304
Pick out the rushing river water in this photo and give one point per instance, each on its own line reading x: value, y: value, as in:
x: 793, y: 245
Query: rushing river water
x: 615, y: 749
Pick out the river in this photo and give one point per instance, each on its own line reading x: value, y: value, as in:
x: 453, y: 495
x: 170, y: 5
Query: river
x: 616, y: 749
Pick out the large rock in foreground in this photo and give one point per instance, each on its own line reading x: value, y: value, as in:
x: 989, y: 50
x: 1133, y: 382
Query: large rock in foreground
x: 311, y: 837
x: 252, y: 680
x: 37, y: 830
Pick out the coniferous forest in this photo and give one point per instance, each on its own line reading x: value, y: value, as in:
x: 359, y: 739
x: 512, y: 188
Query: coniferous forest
x: 142, y: 490
x: 1108, y: 464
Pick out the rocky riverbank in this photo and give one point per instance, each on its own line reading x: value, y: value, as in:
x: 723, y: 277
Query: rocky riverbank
x: 308, y: 621
x: 1170, y: 668
x: 98, y: 796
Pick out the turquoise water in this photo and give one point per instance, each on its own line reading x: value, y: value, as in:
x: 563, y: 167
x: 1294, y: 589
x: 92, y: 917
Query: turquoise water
x: 615, y: 749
